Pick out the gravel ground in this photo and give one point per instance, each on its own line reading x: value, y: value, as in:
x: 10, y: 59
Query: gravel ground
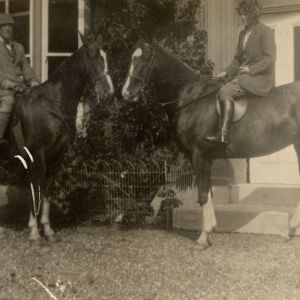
x: 109, y: 263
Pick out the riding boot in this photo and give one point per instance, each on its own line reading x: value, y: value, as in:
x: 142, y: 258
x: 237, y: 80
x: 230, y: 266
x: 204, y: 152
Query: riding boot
x: 226, y: 112
x: 4, y: 120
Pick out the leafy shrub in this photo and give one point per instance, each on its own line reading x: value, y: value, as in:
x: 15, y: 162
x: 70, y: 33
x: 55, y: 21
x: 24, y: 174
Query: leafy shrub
x: 121, y: 131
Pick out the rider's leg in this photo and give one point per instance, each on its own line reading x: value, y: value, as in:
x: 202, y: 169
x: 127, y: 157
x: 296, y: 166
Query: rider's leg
x: 6, y: 107
x: 226, y: 111
x: 226, y: 96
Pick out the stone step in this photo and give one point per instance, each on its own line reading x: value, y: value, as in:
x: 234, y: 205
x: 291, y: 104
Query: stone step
x: 247, y: 218
x: 260, y: 194
x: 265, y: 194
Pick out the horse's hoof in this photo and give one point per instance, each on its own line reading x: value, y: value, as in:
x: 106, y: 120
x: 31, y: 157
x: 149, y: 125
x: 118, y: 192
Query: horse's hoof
x: 50, y: 238
x: 34, y: 239
x: 293, y: 225
x: 209, y: 240
x: 202, y: 246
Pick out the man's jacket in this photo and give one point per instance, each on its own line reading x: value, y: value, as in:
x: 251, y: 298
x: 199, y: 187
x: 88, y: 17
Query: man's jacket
x: 14, y: 66
x: 259, y: 55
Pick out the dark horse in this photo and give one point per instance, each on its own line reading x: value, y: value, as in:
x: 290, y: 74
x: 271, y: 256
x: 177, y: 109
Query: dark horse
x: 269, y: 124
x: 47, y: 115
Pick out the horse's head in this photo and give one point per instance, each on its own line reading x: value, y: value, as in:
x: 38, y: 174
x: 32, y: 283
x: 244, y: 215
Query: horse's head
x: 141, y: 69
x: 95, y: 60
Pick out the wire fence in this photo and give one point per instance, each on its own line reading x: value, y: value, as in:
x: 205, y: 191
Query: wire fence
x: 132, y: 191
x: 129, y: 191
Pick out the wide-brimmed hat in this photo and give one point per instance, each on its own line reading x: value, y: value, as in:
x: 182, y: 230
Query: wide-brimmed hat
x: 6, y: 19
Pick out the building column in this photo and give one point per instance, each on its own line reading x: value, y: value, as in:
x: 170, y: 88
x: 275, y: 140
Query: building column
x: 222, y: 23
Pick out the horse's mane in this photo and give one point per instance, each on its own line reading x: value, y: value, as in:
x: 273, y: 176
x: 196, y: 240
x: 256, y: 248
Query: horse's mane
x: 67, y: 63
x: 184, y: 71
x: 175, y: 62
x: 173, y: 57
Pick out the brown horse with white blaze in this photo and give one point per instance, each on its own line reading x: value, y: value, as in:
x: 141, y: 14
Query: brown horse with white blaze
x: 269, y: 124
x: 47, y: 115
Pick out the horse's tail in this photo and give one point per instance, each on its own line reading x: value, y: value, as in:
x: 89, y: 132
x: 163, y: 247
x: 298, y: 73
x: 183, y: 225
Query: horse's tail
x: 27, y: 161
x: 32, y: 176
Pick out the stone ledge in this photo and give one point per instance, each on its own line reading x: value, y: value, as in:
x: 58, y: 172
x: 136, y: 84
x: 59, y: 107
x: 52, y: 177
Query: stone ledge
x: 258, y: 219
x: 265, y: 194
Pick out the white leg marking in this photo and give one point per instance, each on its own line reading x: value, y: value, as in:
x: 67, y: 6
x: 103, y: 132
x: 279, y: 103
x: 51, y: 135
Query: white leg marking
x: 45, y: 219
x: 33, y: 226
x: 209, y: 218
x: 295, y: 221
x: 213, y: 219
x: 209, y: 223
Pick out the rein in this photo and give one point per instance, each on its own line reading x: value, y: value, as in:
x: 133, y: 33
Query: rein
x: 143, y: 81
x: 164, y: 104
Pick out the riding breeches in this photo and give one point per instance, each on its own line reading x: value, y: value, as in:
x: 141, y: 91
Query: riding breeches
x: 231, y: 91
x: 7, y: 104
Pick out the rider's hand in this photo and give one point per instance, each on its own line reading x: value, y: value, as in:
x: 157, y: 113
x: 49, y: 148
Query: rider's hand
x: 19, y: 89
x: 9, y: 84
x: 222, y: 74
x: 13, y: 86
x: 244, y: 70
x: 34, y: 83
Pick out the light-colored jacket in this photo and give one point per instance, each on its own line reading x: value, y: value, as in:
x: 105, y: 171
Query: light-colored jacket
x: 259, y: 55
x: 15, y: 68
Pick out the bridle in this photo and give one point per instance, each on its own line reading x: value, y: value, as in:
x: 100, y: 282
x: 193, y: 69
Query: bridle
x: 94, y: 78
x: 143, y: 81
x: 150, y: 67
x: 57, y: 113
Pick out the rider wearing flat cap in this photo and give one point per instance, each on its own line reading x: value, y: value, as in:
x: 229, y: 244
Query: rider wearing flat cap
x: 252, y: 70
x: 15, y: 71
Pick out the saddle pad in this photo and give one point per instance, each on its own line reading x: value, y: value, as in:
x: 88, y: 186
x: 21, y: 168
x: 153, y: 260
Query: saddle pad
x: 240, y: 108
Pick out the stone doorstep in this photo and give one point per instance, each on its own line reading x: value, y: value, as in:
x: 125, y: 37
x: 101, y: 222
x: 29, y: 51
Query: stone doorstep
x: 244, y: 218
x: 250, y: 193
x: 266, y: 194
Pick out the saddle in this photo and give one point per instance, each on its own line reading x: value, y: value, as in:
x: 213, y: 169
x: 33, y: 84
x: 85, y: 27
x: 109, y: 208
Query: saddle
x: 240, y: 108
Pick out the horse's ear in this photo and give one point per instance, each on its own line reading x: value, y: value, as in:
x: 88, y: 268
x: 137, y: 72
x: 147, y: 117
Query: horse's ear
x: 83, y: 39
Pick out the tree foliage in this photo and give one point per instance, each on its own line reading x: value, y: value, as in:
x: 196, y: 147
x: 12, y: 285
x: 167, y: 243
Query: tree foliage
x: 117, y: 130
x: 170, y: 23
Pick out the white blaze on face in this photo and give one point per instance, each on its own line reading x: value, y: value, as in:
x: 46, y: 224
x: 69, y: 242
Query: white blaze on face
x: 137, y: 53
x: 108, y: 78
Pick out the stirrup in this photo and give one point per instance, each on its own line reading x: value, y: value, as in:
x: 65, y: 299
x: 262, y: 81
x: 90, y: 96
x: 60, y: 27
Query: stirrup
x: 220, y: 140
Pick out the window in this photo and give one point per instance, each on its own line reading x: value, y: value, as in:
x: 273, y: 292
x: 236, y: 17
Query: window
x: 20, y: 11
x: 63, y: 31
x: 296, y: 53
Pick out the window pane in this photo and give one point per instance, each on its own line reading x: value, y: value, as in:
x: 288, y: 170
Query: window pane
x: 53, y: 64
x: 63, y: 25
x: 16, y: 6
x: 297, y: 53
x: 22, y: 31
x: 2, y: 7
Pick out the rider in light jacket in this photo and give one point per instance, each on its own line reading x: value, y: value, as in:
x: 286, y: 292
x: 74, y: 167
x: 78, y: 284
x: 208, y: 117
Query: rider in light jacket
x: 15, y: 71
x: 252, y: 69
